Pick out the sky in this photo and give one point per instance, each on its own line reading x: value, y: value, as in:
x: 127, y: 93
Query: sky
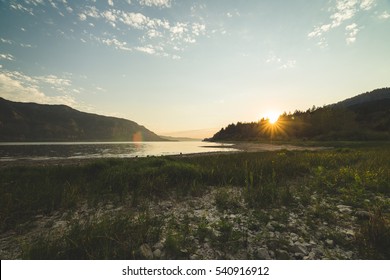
x: 189, y: 68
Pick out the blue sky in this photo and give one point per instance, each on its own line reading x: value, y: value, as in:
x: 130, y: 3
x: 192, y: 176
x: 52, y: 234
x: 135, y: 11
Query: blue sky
x: 189, y: 68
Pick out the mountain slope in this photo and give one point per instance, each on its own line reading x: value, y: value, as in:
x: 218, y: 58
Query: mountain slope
x: 363, y: 117
x: 36, y: 122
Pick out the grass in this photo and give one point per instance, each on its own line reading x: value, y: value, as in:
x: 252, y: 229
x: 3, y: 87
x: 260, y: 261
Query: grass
x: 358, y: 176
x: 118, y: 238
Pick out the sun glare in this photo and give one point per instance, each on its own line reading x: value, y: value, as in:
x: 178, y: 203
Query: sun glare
x: 272, y: 117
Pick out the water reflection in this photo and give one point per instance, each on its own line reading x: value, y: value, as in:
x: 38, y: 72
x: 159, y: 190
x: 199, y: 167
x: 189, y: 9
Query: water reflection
x: 81, y: 150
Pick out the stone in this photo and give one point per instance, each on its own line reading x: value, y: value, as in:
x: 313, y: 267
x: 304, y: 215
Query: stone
x: 344, y: 209
x: 146, y: 251
x: 329, y: 242
x: 194, y: 257
x: 311, y: 256
x: 263, y: 254
x: 299, y: 248
x: 282, y: 255
x: 270, y: 227
x: 157, y: 253
x: 158, y: 245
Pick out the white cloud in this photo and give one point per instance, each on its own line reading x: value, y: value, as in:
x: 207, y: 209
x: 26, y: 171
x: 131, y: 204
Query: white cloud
x: 179, y: 28
x: 158, y: 3
x: 21, y: 8
x: 82, y: 17
x: 352, y: 31
x: 111, y: 3
x: 152, y: 33
x: 343, y: 11
x: 116, y: 43
x: 19, y: 87
x: 367, y: 4
x: 26, y: 45
x: 198, y: 29
x: 54, y: 80
x: 289, y: 64
x: 146, y: 49
x: 277, y: 61
x: 110, y: 16
x: 136, y: 20
x: 272, y: 58
x: 92, y: 12
x: 384, y: 15
x: 7, y: 57
x: 6, y: 41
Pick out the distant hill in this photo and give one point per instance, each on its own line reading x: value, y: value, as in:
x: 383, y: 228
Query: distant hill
x: 37, y: 122
x: 363, y: 117
x: 365, y: 98
x: 181, y: 139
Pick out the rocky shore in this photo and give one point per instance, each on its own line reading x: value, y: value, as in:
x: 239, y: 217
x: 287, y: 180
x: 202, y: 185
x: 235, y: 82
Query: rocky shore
x: 205, y: 228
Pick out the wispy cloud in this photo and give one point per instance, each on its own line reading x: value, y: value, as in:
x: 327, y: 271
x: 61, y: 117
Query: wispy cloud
x: 5, y: 41
x: 384, y: 15
x: 158, y: 3
x: 367, y: 4
x: 17, y: 86
x: 342, y: 11
x: 289, y: 64
x: 7, y: 56
x: 82, y: 17
x: 277, y: 61
x: 352, y: 30
x: 157, y: 34
x: 116, y: 43
x: 20, y: 7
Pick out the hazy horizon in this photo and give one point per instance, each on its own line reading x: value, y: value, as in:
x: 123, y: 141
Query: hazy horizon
x: 188, y: 68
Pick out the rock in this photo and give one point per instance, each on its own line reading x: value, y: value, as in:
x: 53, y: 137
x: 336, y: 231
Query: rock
x: 157, y: 253
x: 294, y: 237
x: 299, y: 248
x: 282, y: 255
x: 344, y: 209
x: 329, y: 242
x: 146, y: 251
x: 263, y: 254
x: 311, y: 256
x: 158, y: 245
x: 270, y: 227
x: 194, y: 257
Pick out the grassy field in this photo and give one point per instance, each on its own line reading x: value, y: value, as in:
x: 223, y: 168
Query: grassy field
x: 354, y: 176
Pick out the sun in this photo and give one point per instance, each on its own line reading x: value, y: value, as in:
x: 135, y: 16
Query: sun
x: 272, y: 117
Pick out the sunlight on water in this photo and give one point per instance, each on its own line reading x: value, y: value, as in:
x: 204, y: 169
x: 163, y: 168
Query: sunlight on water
x: 82, y: 150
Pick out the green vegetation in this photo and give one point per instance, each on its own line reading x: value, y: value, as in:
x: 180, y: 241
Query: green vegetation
x: 118, y: 238
x: 356, y: 177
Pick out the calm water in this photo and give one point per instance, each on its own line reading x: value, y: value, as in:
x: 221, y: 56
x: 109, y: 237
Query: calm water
x: 81, y: 150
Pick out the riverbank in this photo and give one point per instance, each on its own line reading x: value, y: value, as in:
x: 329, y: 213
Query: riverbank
x: 324, y: 204
x: 235, y: 147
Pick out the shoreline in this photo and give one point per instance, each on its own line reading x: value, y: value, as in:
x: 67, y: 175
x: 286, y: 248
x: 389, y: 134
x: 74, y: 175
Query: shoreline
x: 239, y: 147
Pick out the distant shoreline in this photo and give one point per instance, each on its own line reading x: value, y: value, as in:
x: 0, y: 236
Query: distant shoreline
x: 239, y: 147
